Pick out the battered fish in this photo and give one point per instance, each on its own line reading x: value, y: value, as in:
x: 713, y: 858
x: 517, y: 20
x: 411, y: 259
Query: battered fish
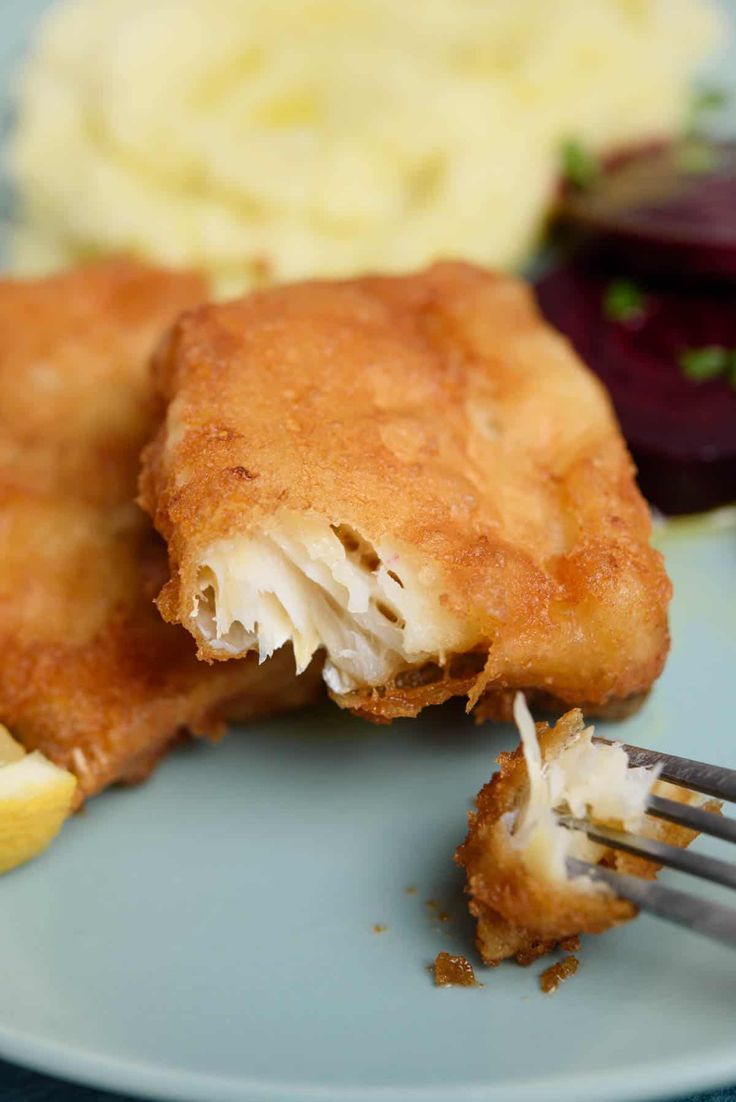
x: 90, y: 674
x: 520, y: 891
x: 416, y: 475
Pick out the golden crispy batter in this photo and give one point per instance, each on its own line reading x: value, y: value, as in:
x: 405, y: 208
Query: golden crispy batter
x: 431, y: 436
x: 521, y: 914
x: 90, y: 674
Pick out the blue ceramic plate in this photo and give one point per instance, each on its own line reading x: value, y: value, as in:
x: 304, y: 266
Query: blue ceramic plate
x: 215, y: 934
x: 210, y: 936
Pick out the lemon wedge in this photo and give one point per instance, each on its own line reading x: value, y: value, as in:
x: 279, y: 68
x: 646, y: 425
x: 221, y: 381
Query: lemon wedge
x: 35, y: 799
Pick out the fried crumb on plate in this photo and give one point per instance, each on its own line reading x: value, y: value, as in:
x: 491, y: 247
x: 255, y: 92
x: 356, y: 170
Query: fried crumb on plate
x: 551, y: 978
x: 453, y: 971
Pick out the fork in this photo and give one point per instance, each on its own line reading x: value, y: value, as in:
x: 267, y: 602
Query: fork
x: 707, y: 917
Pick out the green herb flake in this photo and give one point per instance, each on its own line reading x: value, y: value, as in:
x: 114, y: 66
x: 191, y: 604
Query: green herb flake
x: 709, y: 99
x: 580, y: 167
x: 732, y: 369
x: 702, y: 364
x: 696, y: 157
x: 623, y: 301
x: 704, y: 103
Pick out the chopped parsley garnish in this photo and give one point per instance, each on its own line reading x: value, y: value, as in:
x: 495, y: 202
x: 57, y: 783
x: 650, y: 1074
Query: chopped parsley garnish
x: 580, y: 166
x: 704, y: 102
x: 623, y: 301
x: 695, y: 157
x: 710, y: 362
x: 709, y: 99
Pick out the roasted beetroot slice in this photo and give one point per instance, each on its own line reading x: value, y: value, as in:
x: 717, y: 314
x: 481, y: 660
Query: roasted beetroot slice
x: 682, y: 434
x: 668, y: 209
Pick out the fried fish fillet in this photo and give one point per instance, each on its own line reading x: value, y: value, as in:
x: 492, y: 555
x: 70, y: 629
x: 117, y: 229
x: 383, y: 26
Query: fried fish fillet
x: 90, y: 674
x: 514, y: 856
x: 416, y: 475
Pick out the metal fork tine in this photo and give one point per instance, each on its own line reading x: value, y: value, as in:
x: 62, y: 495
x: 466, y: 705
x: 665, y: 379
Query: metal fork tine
x: 697, y: 864
x: 695, y: 818
x: 713, y: 780
x: 706, y: 917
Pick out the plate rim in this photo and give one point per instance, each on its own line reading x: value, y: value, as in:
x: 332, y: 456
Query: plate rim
x: 633, y: 1083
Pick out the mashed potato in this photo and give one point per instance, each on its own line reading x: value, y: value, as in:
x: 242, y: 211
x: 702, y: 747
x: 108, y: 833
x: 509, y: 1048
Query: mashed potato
x: 274, y: 139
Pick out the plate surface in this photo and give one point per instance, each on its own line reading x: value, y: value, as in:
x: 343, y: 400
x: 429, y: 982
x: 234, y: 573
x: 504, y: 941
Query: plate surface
x: 211, y: 935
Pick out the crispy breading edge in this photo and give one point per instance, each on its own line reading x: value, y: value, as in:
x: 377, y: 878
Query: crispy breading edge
x: 518, y: 914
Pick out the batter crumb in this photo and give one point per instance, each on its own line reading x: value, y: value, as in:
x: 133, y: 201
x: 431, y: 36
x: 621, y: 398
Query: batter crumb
x: 452, y: 971
x: 552, y: 977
